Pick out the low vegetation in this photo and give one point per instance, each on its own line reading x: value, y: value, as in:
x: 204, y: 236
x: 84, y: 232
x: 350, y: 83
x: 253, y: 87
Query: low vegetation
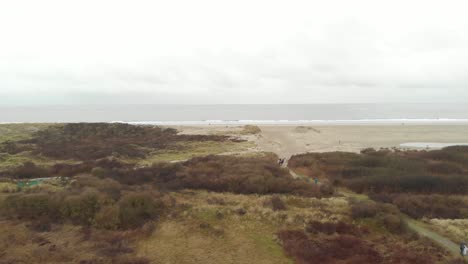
x: 251, y: 130
x: 418, y: 182
x: 439, y: 171
x: 427, y: 206
x: 113, y: 194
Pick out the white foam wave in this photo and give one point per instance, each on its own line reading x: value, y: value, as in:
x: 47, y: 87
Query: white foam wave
x: 431, y: 145
x: 306, y: 122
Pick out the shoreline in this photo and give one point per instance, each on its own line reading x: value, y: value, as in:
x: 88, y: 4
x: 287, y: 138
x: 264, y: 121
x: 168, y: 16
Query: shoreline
x: 305, y: 122
x: 350, y: 122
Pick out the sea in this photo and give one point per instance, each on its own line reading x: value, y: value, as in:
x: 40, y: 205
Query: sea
x: 232, y: 114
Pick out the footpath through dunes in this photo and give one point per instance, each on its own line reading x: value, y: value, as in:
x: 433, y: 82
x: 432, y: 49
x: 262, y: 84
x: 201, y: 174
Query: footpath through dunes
x: 419, y: 227
x: 285, y: 142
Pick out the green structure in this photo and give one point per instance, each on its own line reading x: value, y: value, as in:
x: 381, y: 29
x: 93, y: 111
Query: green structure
x: 30, y: 183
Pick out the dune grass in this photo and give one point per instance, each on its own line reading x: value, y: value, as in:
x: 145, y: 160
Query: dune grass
x: 14, y: 132
x: 188, y: 150
x: 455, y: 229
x: 209, y: 229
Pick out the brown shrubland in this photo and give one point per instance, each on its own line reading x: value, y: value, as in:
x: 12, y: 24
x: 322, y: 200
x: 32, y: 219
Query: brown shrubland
x: 439, y: 171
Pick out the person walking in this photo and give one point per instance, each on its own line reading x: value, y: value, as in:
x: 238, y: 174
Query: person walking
x: 463, y: 249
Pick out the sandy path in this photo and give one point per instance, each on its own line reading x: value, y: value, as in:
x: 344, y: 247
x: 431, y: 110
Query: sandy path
x: 418, y: 227
x: 283, y: 141
x: 415, y: 225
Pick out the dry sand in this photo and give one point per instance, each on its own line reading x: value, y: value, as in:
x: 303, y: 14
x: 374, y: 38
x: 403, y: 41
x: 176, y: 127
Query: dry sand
x: 288, y: 140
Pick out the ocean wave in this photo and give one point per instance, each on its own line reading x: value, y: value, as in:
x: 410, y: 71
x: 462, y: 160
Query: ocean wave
x: 304, y: 122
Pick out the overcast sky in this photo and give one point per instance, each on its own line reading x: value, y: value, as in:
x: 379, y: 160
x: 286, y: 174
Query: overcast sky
x: 96, y: 51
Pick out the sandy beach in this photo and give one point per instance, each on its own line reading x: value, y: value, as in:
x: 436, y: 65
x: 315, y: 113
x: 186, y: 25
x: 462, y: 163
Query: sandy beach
x: 289, y: 140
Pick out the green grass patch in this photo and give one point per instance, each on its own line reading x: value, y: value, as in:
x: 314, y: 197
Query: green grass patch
x: 15, y: 132
x: 8, y: 161
x: 265, y: 242
x: 374, y: 225
x: 188, y: 150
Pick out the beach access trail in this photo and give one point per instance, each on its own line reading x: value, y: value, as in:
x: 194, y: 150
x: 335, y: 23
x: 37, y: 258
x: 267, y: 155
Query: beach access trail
x: 285, y: 145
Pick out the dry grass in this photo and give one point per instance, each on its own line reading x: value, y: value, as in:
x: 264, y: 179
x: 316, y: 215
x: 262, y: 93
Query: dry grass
x: 8, y: 187
x: 19, y: 244
x: 306, y: 129
x: 456, y: 229
x: 190, y: 150
x: 201, y: 227
x: 228, y: 228
x: 9, y: 161
x: 250, y: 130
x: 14, y: 132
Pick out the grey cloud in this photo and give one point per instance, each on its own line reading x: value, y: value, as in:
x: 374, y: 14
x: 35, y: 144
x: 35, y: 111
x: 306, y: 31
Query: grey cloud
x: 300, y: 55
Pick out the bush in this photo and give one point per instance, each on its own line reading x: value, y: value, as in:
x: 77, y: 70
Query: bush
x: 431, y: 206
x: 108, y: 218
x: 394, y: 223
x: 91, y: 141
x: 29, y: 170
x: 335, y: 249
x: 329, y: 228
x: 251, y: 129
x: 81, y: 208
x: 244, y: 175
x: 42, y: 224
x: 275, y: 203
x: 439, y: 171
x: 31, y: 206
x: 106, y: 186
x: 137, y: 208
x: 363, y: 209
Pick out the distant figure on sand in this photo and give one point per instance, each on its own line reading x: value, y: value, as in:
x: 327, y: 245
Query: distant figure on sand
x: 316, y: 180
x: 281, y: 161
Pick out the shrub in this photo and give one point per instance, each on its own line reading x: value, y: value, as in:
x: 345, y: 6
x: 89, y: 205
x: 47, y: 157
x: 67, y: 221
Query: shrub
x: 108, y: 218
x: 42, y: 224
x: 438, y: 171
x: 31, y: 206
x: 431, y: 206
x: 363, y: 209
x: 98, y: 172
x: 335, y: 249
x: 8, y: 187
x: 131, y: 260
x: 245, y: 175
x: 330, y: 228
x: 275, y: 203
x: 394, y: 223
x: 107, y: 186
x: 137, y: 208
x: 251, y: 129
x: 30, y: 170
x: 115, y: 244
x: 91, y: 141
x: 81, y: 208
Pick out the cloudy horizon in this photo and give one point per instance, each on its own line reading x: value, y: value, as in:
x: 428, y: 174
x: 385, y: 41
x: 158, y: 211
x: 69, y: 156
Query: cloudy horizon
x: 210, y: 52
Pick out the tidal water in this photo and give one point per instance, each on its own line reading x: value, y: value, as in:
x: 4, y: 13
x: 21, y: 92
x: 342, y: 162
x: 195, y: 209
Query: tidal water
x: 232, y: 114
